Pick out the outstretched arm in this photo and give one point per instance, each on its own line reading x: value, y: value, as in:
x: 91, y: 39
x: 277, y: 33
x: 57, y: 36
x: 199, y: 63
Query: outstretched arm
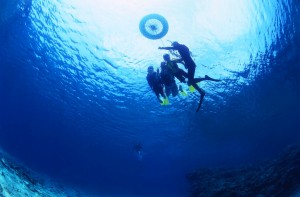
x: 166, y: 48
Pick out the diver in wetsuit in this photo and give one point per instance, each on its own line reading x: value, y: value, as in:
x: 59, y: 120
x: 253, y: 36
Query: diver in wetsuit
x: 168, y: 79
x: 138, y: 149
x: 191, y: 67
x: 180, y: 74
x: 156, y: 85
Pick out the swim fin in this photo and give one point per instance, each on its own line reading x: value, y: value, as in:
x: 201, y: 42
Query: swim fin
x: 200, y: 102
x: 183, y: 93
x: 165, y: 102
x: 191, y: 88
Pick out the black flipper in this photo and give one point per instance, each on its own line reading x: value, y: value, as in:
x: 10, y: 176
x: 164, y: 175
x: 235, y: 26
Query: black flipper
x: 200, y: 102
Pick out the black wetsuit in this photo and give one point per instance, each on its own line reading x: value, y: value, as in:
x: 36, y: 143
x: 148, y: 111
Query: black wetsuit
x: 166, y: 76
x: 178, y: 73
x: 168, y: 79
x: 188, y: 61
x: 155, y: 84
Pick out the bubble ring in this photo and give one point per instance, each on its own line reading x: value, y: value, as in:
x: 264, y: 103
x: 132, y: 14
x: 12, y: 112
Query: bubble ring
x: 154, y: 26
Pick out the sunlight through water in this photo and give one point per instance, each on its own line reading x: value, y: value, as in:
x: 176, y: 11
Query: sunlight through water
x: 74, y: 89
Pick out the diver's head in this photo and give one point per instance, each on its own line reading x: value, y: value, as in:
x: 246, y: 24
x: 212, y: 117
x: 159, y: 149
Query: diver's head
x: 150, y: 69
x: 166, y: 57
x: 175, y: 43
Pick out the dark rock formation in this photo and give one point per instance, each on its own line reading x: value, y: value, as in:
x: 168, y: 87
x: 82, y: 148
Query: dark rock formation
x: 277, y: 178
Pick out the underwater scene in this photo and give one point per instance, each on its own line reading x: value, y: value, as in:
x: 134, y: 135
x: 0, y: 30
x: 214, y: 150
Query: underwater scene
x: 152, y: 98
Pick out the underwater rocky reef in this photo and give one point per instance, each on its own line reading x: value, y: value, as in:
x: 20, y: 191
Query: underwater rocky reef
x: 16, y: 180
x: 277, y: 178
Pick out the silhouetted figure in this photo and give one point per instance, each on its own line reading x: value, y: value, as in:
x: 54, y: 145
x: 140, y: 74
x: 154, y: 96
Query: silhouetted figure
x: 156, y: 85
x: 191, y: 67
x: 139, y: 151
x: 168, y: 80
x: 180, y: 74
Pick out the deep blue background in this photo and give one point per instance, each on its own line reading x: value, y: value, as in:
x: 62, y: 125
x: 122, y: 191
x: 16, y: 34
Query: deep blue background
x: 76, y: 118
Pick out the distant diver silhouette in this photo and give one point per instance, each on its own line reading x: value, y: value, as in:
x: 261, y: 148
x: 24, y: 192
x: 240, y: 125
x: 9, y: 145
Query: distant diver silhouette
x: 154, y: 26
x: 139, y: 151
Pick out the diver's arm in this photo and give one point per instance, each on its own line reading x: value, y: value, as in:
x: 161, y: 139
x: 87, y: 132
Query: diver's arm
x: 167, y: 48
x: 178, y: 61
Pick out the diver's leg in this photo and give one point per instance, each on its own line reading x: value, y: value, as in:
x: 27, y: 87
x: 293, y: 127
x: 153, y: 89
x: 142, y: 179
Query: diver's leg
x: 211, y: 79
x: 157, y: 96
x: 197, y: 80
x: 174, y: 89
x: 183, y: 73
x: 161, y: 91
x: 200, y: 90
x: 206, y: 78
x: 191, y: 73
x: 167, y: 91
x: 180, y: 78
x: 165, y: 100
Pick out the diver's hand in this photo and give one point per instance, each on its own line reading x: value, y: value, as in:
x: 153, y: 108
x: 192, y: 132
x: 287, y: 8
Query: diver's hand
x: 160, y: 48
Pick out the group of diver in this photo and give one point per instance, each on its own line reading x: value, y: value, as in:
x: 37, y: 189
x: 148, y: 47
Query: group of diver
x: 163, y: 82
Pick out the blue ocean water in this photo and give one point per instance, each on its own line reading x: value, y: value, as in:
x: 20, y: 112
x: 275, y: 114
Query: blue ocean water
x: 74, y: 98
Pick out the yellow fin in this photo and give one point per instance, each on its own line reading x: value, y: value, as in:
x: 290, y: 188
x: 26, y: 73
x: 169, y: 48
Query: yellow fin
x: 165, y: 102
x: 191, y: 88
x: 183, y: 93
